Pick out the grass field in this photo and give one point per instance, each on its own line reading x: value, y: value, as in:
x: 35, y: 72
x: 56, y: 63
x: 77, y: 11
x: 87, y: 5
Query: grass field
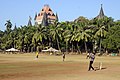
x: 46, y: 67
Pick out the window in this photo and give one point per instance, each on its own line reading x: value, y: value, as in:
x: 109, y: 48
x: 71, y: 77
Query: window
x: 53, y: 15
x: 41, y: 14
x: 50, y: 10
x: 49, y: 14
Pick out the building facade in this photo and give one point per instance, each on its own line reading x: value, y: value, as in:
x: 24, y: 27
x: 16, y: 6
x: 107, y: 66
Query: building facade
x: 45, y: 16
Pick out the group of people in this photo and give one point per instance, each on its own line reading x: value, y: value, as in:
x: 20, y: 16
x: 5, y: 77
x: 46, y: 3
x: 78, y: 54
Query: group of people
x: 90, y: 55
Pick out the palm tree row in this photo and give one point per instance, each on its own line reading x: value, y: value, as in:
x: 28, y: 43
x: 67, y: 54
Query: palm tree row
x: 79, y: 35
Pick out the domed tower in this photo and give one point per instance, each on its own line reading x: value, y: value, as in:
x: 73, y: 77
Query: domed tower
x: 45, y: 17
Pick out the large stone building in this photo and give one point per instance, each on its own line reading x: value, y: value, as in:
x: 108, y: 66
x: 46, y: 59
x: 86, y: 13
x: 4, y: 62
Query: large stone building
x: 45, y: 16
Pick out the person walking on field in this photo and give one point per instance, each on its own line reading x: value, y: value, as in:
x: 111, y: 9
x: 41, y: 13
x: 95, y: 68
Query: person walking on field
x: 92, y: 57
x: 63, y: 56
x: 36, y: 54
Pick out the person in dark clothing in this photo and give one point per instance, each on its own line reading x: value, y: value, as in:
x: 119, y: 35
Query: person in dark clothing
x: 92, y: 57
x: 63, y: 56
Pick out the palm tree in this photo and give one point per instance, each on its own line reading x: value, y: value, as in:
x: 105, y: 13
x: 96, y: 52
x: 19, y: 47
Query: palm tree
x: 73, y: 34
x: 100, y: 33
x: 56, y: 33
x: 83, y: 33
x: 1, y: 34
x: 112, y: 40
x: 66, y: 35
x: 78, y: 38
x: 21, y: 38
x: 8, y: 25
x: 38, y: 37
x: 102, y: 26
x: 84, y: 36
x: 28, y: 37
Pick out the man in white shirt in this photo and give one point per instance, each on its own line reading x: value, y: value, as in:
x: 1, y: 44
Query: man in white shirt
x: 92, y: 57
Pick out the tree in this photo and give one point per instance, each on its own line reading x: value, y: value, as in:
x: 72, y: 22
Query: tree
x: 66, y: 36
x: 56, y: 33
x: 39, y: 36
x: 8, y: 25
x: 28, y: 37
x: 112, y: 40
x: 101, y: 33
x: 83, y: 33
x: 102, y: 27
x: 1, y: 35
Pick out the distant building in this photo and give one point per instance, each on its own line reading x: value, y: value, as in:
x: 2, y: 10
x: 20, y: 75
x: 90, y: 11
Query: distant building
x: 45, y: 17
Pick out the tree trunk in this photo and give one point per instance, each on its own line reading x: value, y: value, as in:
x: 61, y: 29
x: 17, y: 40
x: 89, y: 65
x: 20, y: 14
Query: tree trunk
x: 93, y: 48
x: 100, y: 46
x: 58, y: 44
x: 78, y: 48
x: 66, y: 46
x: 42, y: 45
x: 106, y: 51
x: 32, y: 49
x: 72, y: 46
x: 37, y: 49
x: 50, y: 42
x: 85, y: 47
x: 119, y: 51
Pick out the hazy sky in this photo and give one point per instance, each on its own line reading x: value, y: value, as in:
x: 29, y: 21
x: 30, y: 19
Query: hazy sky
x: 18, y: 11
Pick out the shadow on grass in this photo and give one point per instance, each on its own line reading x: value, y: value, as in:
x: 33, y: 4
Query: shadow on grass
x: 97, y: 68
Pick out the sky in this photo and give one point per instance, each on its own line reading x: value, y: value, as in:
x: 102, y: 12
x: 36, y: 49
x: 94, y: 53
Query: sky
x: 18, y: 11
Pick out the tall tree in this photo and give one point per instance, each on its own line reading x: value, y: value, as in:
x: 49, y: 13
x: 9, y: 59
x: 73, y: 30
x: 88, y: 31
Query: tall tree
x: 83, y: 31
x: 56, y: 33
x: 101, y: 30
x: 8, y: 25
x: 39, y: 36
x: 112, y: 40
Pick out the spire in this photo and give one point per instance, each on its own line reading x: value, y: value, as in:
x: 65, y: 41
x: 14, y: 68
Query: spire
x: 35, y: 16
x: 29, y: 22
x: 57, y: 17
x: 101, y: 13
x: 15, y: 27
x: 45, y: 20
